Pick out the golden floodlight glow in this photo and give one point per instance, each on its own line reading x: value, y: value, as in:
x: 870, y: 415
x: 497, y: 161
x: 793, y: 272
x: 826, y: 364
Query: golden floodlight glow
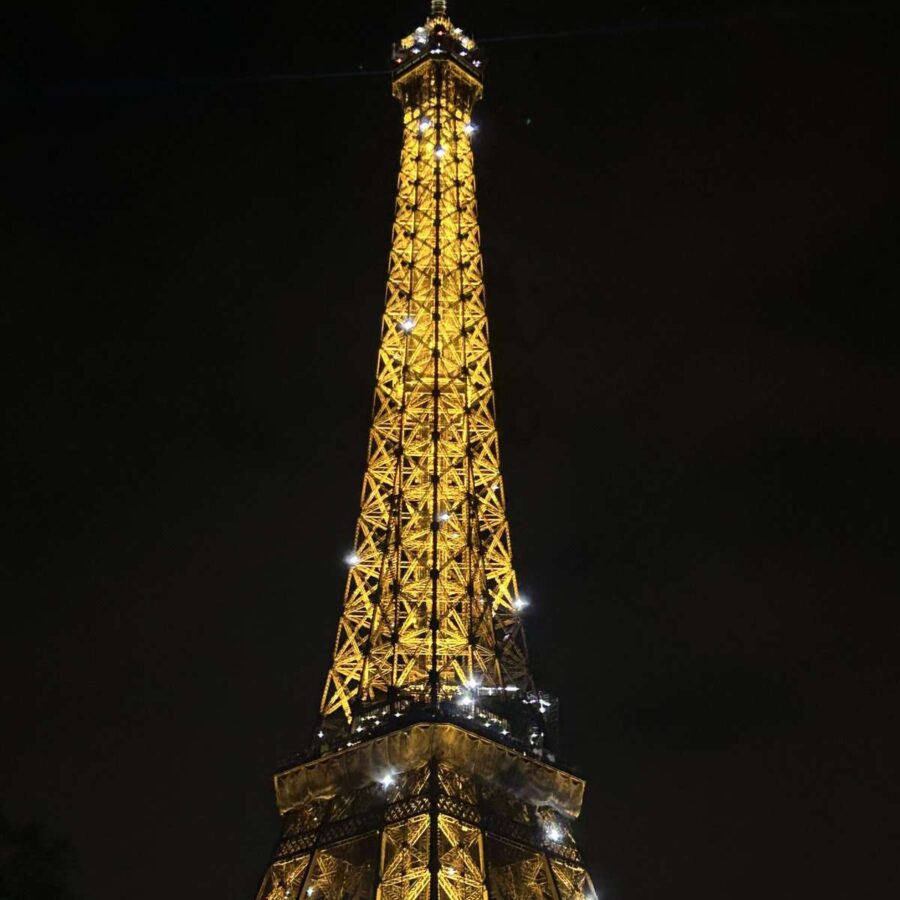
x: 432, y: 773
x: 427, y: 608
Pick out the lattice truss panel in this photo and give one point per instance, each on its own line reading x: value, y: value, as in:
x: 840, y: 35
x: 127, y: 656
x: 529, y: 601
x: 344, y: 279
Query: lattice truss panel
x: 431, y: 832
x: 430, y: 602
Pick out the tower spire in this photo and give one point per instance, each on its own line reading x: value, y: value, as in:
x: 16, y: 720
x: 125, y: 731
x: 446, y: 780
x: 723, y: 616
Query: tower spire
x: 438, y: 8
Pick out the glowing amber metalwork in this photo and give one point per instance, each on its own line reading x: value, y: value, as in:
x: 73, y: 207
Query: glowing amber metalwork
x: 432, y: 772
x: 430, y: 604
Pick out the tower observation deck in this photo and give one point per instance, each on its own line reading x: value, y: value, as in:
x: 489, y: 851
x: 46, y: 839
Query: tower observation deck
x: 432, y: 773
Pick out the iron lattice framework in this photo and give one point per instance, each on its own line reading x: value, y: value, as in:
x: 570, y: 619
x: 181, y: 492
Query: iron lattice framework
x: 430, y: 775
x: 430, y: 603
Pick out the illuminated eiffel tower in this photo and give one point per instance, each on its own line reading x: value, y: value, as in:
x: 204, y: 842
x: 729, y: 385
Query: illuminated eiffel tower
x: 432, y: 774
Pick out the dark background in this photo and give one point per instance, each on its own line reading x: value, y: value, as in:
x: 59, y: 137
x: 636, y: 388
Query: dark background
x: 691, y: 278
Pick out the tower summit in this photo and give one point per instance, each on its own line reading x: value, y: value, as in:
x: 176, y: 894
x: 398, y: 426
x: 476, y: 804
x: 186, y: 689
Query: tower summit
x: 432, y: 773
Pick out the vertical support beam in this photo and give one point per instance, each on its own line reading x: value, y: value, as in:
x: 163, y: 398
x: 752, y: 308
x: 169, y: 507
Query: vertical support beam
x: 551, y: 877
x: 379, y: 872
x: 482, y: 852
x: 436, y: 405
x: 434, y: 856
x: 304, y: 883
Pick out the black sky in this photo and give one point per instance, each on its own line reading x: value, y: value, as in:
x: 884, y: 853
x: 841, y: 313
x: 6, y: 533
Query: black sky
x: 688, y: 226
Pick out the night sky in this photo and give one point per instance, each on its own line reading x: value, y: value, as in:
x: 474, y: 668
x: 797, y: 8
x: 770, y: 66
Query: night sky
x: 691, y: 268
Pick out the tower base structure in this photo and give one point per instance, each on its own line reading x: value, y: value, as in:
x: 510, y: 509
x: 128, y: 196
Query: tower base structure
x: 427, y: 811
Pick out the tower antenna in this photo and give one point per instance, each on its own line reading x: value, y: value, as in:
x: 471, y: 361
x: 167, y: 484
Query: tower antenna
x: 438, y: 8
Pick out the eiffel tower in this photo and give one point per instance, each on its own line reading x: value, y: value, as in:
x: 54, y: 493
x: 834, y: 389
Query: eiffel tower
x: 432, y: 773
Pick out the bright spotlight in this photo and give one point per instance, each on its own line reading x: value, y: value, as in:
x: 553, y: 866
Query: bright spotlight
x: 554, y: 833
